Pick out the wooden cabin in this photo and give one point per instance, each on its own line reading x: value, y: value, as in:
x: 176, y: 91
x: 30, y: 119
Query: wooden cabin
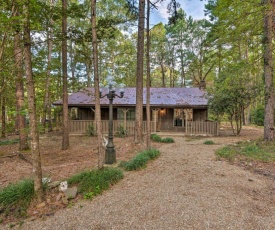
x: 172, y: 109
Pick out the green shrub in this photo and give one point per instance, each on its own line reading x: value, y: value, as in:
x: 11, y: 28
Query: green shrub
x: 16, y: 197
x: 152, y: 153
x: 257, y: 116
x: 10, y: 127
x: 157, y: 138
x: 168, y: 140
x: 208, y: 142
x: 121, y: 132
x: 140, y: 160
x: 91, y: 131
x: 226, y: 152
x: 9, y: 142
x: 96, y: 181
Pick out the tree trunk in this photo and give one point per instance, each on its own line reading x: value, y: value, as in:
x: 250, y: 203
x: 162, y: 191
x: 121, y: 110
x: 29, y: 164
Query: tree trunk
x: 101, y: 158
x: 65, y: 139
x: 139, y: 79
x: 18, y: 58
x: 162, y: 74
x: 3, y: 115
x: 47, y: 96
x: 72, y: 65
x: 268, y: 75
x: 2, y: 90
x: 36, y: 160
x: 148, y: 79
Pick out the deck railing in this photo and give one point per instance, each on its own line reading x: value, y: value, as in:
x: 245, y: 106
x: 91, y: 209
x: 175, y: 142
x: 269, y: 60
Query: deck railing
x: 192, y: 127
x: 82, y: 126
x: 202, y: 128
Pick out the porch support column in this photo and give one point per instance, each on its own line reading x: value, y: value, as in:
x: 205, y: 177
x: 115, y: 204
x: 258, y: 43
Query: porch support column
x: 93, y: 121
x: 124, y: 117
x: 155, y: 116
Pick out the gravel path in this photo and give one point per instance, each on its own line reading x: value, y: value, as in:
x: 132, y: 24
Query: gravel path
x: 185, y: 188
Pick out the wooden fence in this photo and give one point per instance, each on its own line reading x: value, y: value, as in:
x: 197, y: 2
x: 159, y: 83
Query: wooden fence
x: 82, y: 126
x: 202, y: 128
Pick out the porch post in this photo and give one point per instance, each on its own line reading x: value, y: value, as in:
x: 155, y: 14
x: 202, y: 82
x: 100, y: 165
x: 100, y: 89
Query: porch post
x: 155, y: 119
x: 124, y: 118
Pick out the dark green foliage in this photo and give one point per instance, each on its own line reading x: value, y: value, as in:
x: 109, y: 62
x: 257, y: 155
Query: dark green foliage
x: 96, y: 181
x: 121, y: 132
x: 9, y: 142
x: 140, y: 160
x: 17, y: 198
x: 168, y: 140
x: 208, y: 142
x: 257, y: 116
x: 257, y: 151
x: 91, y: 131
x: 157, y: 138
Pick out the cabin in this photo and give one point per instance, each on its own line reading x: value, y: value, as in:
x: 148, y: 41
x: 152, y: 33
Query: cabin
x: 182, y: 110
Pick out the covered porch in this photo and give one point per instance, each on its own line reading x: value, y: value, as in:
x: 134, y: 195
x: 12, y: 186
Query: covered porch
x: 190, y: 121
x: 190, y: 128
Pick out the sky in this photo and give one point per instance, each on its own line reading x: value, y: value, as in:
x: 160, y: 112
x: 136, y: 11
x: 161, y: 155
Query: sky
x: 194, y: 8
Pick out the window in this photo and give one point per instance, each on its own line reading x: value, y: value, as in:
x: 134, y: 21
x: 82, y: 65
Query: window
x: 178, y: 117
x: 130, y: 115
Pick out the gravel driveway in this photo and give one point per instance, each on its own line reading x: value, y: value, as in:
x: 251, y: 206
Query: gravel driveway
x: 185, y: 188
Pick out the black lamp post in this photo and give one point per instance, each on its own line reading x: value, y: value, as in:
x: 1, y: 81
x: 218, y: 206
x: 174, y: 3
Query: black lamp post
x: 110, y: 152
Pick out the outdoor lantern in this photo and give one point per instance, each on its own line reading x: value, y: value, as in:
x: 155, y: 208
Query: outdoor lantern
x: 110, y: 153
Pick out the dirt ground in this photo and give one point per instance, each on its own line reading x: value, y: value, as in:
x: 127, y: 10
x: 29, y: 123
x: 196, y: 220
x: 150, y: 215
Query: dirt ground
x: 187, y: 187
x: 58, y: 164
x: 187, y: 165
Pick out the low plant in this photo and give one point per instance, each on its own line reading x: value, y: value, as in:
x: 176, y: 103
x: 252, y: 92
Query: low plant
x: 92, y: 183
x: 140, y: 160
x: 168, y: 140
x: 9, y: 142
x: 91, y: 131
x: 208, y: 142
x: 255, y: 151
x: 121, y: 131
x: 157, y: 138
x: 17, y: 197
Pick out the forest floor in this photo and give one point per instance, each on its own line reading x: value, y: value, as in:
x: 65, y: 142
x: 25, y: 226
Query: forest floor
x: 59, y: 165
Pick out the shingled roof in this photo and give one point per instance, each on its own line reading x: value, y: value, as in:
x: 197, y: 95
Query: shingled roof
x: 160, y: 97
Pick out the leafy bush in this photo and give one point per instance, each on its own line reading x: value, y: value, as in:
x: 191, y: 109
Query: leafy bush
x: 96, y: 181
x: 257, y: 116
x: 121, y: 131
x: 208, y: 142
x: 168, y: 140
x: 91, y: 131
x: 17, y: 197
x: 157, y: 138
x: 140, y: 160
